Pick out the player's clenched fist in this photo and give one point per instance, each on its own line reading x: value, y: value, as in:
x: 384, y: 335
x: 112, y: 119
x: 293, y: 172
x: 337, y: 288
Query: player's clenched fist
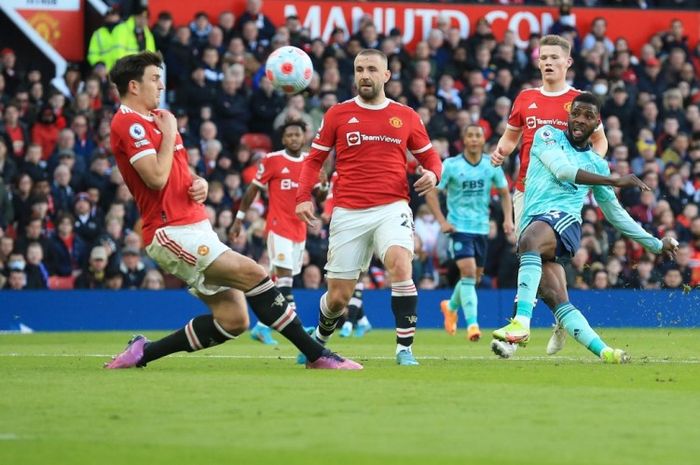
x: 497, y: 156
x: 198, y: 190
x: 166, y: 122
x: 305, y: 212
x: 425, y: 183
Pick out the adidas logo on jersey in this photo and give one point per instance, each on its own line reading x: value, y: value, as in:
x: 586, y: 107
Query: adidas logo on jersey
x: 353, y: 120
x: 285, y: 170
x: 533, y: 106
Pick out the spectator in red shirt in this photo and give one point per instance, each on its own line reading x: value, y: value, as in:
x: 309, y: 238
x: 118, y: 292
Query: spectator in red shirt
x: 45, y: 132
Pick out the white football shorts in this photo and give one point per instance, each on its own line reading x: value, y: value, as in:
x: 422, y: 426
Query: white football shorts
x: 186, y: 251
x: 356, y: 234
x: 285, y: 253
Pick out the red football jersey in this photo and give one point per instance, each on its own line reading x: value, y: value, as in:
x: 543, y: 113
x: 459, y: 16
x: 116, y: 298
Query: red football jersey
x: 370, y: 152
x: 532, y: 109
x: 330, y: 199
x: 135, y: 136
x: 280, y: 174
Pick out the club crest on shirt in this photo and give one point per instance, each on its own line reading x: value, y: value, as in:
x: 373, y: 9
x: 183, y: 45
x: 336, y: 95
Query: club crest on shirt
x: 202, y: 250
x: 137, y: 131
x: 280, y: 257
x: 395, y: 121
x: 567, y: 107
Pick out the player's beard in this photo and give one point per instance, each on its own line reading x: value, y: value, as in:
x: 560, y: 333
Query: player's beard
x: 368, y: 93
x: 584, y: 137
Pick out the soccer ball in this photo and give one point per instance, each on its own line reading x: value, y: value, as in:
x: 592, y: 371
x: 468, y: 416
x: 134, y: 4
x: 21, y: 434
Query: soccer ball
x: 289, y: 69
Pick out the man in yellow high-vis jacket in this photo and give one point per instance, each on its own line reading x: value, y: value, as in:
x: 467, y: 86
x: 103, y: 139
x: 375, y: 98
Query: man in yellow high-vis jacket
x: 133, y: 36
x: 101, y: 47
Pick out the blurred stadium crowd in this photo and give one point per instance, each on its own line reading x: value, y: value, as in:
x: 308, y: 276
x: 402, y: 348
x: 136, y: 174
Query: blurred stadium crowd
x: 67, y: 219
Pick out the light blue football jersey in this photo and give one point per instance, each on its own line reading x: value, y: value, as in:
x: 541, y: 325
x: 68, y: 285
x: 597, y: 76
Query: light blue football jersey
x: 468, y: 189
x: 544, y: 192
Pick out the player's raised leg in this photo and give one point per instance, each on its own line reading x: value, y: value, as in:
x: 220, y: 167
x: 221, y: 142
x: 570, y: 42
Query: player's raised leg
x: 270, y: 306
x: 553, y: 291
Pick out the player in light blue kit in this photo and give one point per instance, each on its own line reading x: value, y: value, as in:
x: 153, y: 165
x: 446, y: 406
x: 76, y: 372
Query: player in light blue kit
x: 562, y: 169
x: 467, y: 180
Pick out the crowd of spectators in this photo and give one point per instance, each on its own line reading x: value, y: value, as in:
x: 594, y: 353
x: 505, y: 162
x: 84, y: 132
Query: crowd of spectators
x: 67, y: 219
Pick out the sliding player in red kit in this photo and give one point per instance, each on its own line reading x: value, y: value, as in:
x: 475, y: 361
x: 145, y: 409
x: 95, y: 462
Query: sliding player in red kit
x: 151, y: 158
x: 371, y: 135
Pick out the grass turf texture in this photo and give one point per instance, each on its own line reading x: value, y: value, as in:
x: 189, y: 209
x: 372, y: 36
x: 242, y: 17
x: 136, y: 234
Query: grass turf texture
x: 248, y: 403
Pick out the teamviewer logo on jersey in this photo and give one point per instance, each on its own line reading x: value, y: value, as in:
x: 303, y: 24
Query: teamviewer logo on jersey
x: 531, y: 122
x: 353, y: 138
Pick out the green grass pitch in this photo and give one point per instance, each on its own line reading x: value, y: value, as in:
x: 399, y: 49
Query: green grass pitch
x: 246, y: 403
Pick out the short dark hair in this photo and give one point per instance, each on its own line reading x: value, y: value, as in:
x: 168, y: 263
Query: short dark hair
x: 463, y: 132
x: 373, y: 51
x: 131, y: 68
x: 294, y: 122
x: 587, y: 97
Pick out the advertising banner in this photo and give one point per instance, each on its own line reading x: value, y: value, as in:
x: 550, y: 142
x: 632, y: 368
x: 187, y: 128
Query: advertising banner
x: 416, y: 19
x: 59, y: 22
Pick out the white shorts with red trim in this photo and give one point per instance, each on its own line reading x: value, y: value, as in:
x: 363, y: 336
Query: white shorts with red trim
x: 356, y: 234
x: 285, y: 253
x: 186, y: 251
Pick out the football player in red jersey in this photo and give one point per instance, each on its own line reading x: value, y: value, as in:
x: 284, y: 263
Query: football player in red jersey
x: 153, y: 161
x: 371, y: 134
x: 286, y: 234
x: 532, y: 109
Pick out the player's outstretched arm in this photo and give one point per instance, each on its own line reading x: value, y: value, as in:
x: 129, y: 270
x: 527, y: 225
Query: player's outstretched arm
x: 555, y: 161
x: 623, y: 222
x: 249, y: 197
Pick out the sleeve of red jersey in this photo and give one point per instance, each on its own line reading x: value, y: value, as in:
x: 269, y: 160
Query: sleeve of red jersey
x: 515, y: 120
x: 135, y: 141
x: 321, y: 147
x: 420, y: 146
x: 262, y: 177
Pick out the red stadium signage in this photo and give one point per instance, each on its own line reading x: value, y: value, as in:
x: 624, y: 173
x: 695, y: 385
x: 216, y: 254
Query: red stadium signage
x: 416, y: 19
x: 58, y: 22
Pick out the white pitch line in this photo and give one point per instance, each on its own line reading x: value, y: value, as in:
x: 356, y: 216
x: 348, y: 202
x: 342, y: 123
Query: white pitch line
x: 691, y: 361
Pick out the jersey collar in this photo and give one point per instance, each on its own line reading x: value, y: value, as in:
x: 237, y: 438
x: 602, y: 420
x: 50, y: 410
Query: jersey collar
x: 466, y: 160
x: 298, y: 159
x: 368, y: 106
x: 555, y: 94
x: 578, y: 149
x: 146, y: 117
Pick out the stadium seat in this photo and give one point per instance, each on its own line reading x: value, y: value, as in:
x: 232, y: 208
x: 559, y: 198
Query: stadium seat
x: 61, y: 282
x: 257, y: 140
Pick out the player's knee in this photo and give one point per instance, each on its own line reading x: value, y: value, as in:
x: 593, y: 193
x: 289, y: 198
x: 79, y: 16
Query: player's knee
x: 253, y: 272
x: 338, y: 298
x: 235, y: 323
x: 528, y: 242
x: 400, y: 268
x: 549, y: 295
